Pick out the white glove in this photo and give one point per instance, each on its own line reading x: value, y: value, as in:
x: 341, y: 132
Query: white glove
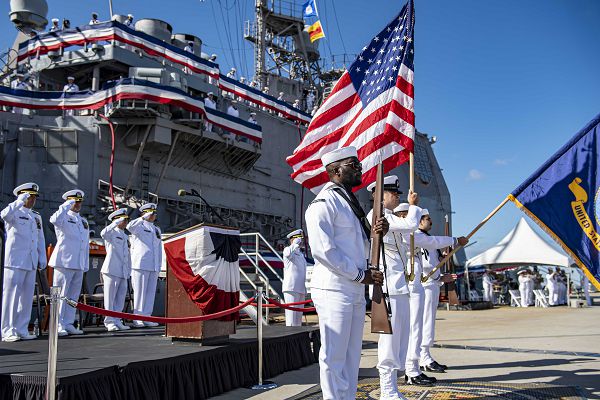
x: 69, y: 203
x: 23, y: 197
x: 297, y: 241
x: 146, y: 216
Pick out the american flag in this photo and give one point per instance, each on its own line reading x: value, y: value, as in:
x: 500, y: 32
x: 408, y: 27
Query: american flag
x: 370, y: 108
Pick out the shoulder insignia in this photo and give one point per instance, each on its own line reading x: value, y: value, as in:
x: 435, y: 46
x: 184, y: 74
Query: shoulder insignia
x: 35, y: 212
x: 316, y: 201
x: 85, y: 224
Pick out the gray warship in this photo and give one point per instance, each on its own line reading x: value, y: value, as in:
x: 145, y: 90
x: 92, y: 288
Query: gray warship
x: 160, y: 149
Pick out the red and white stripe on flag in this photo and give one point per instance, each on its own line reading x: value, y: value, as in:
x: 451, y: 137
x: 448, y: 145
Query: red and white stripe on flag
x: 205, y: 260
x: 379, y: 122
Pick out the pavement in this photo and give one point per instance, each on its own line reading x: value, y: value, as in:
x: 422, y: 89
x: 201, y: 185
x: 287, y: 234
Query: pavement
x: 558, y: 345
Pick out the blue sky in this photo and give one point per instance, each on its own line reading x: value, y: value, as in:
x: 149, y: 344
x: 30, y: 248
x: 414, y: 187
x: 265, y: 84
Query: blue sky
x: 502, y: 84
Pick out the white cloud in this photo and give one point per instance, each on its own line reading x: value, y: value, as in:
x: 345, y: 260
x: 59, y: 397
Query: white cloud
x: 502, y: 161
x: 475, y: 175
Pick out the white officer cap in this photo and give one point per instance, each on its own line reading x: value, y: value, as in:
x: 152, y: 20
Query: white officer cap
x: 19, y: 74
x: 424, y: 212
x: 253, y: 113
x: 390, y: 183
x: 523, y: 271
x: 338, y: 154
x: 54, y: 19
x: 129, y: 16
x: 120, y: 213
x: 70, y: 78
x: 210, y: 94
x: 29, y: 187
x: 402, y: 207
x: 191, y: 43
x: 148, y: 208
x: 75, y: 194
x: 296, y: 233
x: 281, y: 93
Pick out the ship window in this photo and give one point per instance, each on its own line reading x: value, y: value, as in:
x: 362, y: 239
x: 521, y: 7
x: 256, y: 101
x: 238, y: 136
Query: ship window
x: 422, y: 163
x: 62, y: 147
x: 32, y: 138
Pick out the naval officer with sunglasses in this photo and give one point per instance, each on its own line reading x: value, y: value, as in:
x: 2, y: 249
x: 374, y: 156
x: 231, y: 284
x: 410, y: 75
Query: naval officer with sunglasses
x: 339, y: 239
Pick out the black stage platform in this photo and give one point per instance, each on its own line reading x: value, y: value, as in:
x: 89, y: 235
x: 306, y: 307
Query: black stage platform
x: 143, y: 364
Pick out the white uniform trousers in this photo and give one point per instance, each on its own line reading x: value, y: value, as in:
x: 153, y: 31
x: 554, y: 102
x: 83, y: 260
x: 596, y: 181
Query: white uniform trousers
x: 341, y: 323
x: 432, y: 298
x: 17, y: 298
x: 488, y: 293
x: 293, y: 318
x: 69, y: 281
x: 524, y: 295
x: 144, y: 290
x: 115, y: 290
x: 552, y: 295
x: 417, y: 303
x: 391, y: 349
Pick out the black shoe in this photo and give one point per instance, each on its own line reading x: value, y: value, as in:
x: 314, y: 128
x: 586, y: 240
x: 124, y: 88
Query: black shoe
x: 434, y: 367
x: 421, y: 380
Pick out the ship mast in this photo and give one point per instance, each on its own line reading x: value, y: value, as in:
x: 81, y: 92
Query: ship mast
x: 260, y: 47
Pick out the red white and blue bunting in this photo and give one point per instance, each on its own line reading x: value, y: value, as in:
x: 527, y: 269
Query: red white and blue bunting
x: 127, y: 89
x: 117, y: 32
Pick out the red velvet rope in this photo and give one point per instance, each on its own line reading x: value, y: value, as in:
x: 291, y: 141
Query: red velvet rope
x: 287, y: 307
x: 160, y: 320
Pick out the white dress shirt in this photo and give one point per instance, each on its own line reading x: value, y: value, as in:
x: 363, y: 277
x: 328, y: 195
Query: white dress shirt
x: 146, y: 245
x: 25, y: 246
x: 118, y: 261
x: 72, y: 249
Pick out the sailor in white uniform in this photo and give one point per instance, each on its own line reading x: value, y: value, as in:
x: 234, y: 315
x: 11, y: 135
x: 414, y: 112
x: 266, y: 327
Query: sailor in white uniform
x: 129, y: 20
x: 488, y: 286
x: 146, y: 258
x: 413, y: 376
x: 524, y: 287
x: 24, y: 251
x: 20, y: 83
x: 94, y: 20
x: 116, y: 268
x: 338, y: 237
x: 391, y: 349
x: 231, y: 73
x: 70, y: 87
x: 55, y: 27
x: 294, y: 277
x: 189, y: 47
x: 551, y: 285
x: 209, y: 102
x: 431, y: 255
x: 585, y: 283
x: 70, y: 258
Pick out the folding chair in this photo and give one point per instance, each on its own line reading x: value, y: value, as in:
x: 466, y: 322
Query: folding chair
x: 515, y: 298
x: 540, y: 298
x: 474, y: 295
x: 95, y: 299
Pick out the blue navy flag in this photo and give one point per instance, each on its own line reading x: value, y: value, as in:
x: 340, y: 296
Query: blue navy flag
x: 309, y: 9
x: 563, y: 197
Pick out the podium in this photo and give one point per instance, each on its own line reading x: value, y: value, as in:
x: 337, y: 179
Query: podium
x: 179, y: 304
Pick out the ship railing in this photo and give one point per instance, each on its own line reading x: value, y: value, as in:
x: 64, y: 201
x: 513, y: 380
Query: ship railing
x: 251, y: 310
x: 256, y: 257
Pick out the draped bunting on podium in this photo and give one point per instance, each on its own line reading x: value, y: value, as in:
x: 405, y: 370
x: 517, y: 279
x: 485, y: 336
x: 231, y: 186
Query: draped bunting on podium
x: 205, y: 260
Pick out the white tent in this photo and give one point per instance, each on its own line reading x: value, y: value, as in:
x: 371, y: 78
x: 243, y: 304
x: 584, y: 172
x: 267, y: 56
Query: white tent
x: 522, y: 246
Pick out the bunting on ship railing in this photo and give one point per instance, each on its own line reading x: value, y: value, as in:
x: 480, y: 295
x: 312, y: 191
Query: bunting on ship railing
x: 127, y: 89
x: 114, y: 31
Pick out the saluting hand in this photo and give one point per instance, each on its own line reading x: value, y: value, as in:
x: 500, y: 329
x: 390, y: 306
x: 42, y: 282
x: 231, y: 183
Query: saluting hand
x: 381, y: 226
x: 373, y: 277
x: 23, y: 197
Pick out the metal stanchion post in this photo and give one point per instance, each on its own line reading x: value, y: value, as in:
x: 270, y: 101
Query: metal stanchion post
x: 259, y: 335
x: 52, y: 342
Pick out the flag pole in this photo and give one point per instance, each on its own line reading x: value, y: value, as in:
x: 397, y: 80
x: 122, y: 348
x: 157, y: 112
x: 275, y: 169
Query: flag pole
x: 486, y: 219
x: 411, y: 188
